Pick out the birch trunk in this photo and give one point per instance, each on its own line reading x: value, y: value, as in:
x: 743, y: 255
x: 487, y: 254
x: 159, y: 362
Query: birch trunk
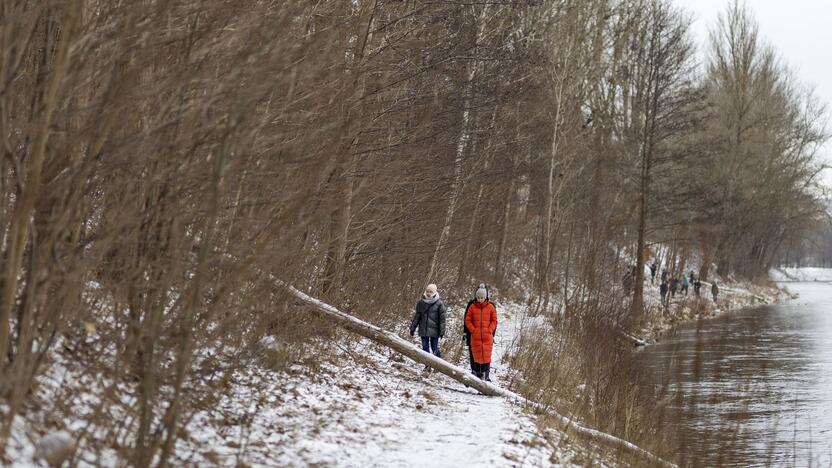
x: 462, y: 142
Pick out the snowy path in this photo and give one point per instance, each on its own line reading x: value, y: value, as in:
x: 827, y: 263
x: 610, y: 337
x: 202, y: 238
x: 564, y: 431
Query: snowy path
x: 356, y: 404
x: 468, y: 429
x: 380, y: 411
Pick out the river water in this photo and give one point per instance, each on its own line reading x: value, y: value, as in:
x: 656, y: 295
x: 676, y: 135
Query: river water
x: 751, y: 388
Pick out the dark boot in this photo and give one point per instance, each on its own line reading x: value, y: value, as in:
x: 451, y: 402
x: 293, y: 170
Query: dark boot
x: 487, y: 372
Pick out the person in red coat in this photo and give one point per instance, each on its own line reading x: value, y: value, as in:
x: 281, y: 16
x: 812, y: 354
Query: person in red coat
x: 481, y: 322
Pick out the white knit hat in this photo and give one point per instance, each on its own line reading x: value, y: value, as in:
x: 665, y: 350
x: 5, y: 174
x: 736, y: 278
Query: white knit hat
x: 430, y: 290
x: 482, y: 293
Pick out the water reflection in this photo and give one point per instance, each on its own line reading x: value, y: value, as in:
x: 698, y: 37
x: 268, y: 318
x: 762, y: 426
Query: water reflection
x: 752, y: 388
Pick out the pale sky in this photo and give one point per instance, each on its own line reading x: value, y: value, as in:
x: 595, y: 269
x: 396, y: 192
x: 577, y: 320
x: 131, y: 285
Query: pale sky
x: 800, y: 31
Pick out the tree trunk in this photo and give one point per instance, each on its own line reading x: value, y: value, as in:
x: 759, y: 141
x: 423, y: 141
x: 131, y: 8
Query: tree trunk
x: 705, y: 268
x: 638, y: 296
x: 461, y: 145
x: 501, y: 244
x: 457, y: 184
x: 19, y: 226
x: 341, y: 214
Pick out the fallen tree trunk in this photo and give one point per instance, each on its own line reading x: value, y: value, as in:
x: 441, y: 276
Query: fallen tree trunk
x: 457, y: 373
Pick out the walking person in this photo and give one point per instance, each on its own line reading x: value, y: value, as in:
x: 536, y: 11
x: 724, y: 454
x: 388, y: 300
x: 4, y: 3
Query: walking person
x: 674, y: 287
x: 697, y: 285
x: 467, y: 334
x: 664, y: 276
x: 481, y: 322
x: 653, y: 268
x: 685, y: 285
x: 429, y: 319
x: 714, y: 291
x: 663, y: 290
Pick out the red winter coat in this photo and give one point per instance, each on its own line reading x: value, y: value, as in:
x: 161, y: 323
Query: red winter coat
x: 481, y: 321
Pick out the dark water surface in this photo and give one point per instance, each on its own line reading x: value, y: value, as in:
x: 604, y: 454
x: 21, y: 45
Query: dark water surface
x: 752, y: 388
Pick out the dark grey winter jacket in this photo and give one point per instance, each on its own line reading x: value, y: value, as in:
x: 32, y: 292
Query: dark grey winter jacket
x: 429, y: 318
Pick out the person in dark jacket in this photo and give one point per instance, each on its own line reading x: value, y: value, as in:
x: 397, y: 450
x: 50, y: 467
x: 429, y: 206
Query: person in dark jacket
x: 685, y: 285
x: 674, y: 287
x: 663, y: 290
x: 664, y: 275
x: 653, y: 268
x: 430, y: 320
x: 714, y: 291
x: 697, y: 285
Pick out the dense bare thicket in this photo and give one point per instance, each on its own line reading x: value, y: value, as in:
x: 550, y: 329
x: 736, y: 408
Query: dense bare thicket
x: 159, y: 157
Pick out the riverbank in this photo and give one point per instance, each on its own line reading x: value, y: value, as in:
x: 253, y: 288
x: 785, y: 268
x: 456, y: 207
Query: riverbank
x: 686, y: 308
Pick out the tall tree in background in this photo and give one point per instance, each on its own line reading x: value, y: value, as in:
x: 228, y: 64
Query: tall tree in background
x: 767, y: 130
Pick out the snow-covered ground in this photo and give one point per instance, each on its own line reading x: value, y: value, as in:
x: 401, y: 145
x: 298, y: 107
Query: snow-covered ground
x: 801, y: 274
x: 360, y: 405
x: 380, y: 410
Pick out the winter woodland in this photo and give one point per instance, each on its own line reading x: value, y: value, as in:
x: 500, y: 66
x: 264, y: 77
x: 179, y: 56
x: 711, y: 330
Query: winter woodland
x: 172, y: 171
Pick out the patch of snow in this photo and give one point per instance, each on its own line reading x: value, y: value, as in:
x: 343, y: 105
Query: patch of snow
x: 801, y: 274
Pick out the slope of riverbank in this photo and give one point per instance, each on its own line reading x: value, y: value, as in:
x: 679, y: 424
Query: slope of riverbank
x: 682, y: 308
x: 359, y: 403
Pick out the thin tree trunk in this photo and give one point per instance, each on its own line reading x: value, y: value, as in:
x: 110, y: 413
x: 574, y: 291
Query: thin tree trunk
x: 461, y: 145
x: 341, y: 215
x: 501, y: 244
x: 457, y: 183
x: 24, y: 207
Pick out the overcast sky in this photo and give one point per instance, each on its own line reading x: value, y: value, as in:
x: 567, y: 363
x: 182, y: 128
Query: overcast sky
x: 800, y: 31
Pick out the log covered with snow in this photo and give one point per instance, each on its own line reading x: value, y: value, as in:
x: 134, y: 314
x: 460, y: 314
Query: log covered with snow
x: 395, y: 342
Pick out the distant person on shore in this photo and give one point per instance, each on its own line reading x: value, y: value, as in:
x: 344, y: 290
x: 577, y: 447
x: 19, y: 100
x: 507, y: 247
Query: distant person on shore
x: 714, y: 291
x: 430, y: 320
x: 663, y: 291
x: 674, y: 287
x: 481, y: 322
x: 653, y: 268
x: 692, y: 277
x: 664, y: 276
x: 697, y: 285
x: 685, y: 285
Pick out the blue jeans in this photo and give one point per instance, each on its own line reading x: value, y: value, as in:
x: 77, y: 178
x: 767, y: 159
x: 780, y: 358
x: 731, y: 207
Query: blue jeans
x: 431, y: 343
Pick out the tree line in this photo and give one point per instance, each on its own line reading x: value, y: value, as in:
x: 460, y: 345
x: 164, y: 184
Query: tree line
x: 158, y: 157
